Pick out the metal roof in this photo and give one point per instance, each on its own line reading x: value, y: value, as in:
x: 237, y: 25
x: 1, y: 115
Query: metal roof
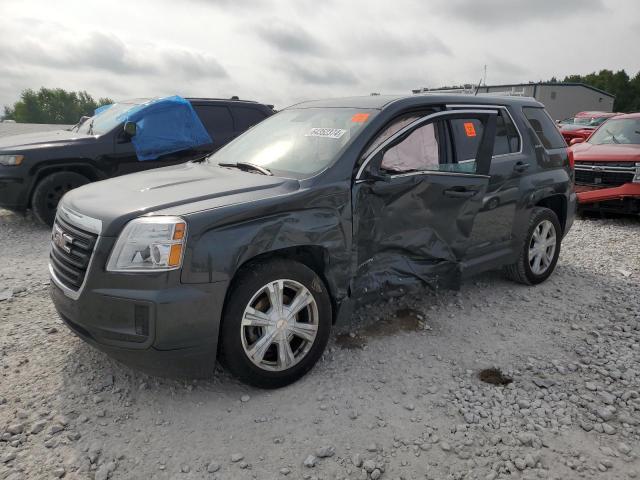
x: 551, y: 84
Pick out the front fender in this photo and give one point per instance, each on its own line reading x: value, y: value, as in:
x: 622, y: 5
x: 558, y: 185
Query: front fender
x: 216, y: 253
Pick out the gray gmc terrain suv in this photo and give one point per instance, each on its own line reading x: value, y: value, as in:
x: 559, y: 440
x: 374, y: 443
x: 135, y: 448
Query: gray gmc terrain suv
x: 252, y: 254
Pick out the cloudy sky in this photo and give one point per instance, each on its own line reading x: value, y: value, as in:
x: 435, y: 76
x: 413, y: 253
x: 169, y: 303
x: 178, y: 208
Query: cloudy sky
x: 283, y: 51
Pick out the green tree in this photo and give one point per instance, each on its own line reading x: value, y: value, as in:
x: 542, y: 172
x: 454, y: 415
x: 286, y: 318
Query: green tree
x: 626, y: 90
x: 53, y: 105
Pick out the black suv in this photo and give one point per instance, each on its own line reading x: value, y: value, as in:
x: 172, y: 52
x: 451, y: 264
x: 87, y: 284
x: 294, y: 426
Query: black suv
x: 37, y: 169
x: 253, y: 253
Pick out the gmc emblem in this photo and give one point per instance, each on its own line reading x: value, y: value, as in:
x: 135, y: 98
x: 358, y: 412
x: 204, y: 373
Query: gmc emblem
x: 61, y: 239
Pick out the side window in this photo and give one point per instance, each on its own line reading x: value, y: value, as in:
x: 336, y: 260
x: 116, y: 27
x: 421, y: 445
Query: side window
x: 467, y: 134
x: 507, y: 138
x: 246, y: 117
x: 466, y: 143
x: 217, y: 121
x: 544, y: 127
x: 419, y: 151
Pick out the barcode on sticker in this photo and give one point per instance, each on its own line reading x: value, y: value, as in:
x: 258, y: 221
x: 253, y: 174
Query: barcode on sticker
x: 326, y: 132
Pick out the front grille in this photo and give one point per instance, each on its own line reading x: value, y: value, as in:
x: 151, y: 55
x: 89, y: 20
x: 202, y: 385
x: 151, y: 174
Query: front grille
x: 71, y: 250
x: 604, y: 174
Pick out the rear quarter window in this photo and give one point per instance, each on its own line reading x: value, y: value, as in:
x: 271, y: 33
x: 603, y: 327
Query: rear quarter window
x: 217, y: 120
x: 543, y: 126
x: 246, y: 117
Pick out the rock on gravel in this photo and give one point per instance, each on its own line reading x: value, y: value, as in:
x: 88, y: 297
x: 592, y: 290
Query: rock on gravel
x: 310, y: 461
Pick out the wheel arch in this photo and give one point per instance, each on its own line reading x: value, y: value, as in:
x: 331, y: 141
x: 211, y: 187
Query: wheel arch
x: 558, y: 204
x: 84, y: 168
x: 315, y: 257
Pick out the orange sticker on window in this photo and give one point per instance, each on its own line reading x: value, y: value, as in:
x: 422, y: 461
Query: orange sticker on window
x: 359, y: 117
x: 469, y: 129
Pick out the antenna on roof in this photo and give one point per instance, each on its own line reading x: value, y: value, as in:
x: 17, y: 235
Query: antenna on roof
x: 477, y: 88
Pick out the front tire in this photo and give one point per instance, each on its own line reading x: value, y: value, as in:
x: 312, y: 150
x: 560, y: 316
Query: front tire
x: 50, y: 190
x: 276, y: 323
x: 540, y: 251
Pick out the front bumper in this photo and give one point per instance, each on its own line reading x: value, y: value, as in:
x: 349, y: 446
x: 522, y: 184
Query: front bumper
x: 622, y: 199
x: 590, y: 195
x: 167, y: 330
x: 13, y: 192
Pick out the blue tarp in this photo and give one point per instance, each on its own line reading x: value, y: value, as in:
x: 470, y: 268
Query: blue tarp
x: 165, y: 125
x: 102, y: 108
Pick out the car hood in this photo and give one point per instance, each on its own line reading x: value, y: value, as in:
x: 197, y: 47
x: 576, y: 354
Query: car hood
x: 116, y: 201
x: 573, y: 127
x: 28, y: 141
x: 587, y: 152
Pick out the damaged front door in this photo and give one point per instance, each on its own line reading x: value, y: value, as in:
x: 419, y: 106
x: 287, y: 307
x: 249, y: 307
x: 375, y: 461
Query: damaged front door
x: 414, y: 204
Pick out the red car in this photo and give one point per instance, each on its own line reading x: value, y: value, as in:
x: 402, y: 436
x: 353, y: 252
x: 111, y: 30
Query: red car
x: 583, y: 124
x: 607, y: 166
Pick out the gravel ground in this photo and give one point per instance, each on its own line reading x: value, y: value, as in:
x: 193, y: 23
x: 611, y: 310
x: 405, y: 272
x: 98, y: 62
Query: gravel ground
x: 397, y: 395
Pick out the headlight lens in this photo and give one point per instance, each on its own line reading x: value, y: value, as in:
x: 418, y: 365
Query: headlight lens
x: 11, y: 160
x: 149, y: 244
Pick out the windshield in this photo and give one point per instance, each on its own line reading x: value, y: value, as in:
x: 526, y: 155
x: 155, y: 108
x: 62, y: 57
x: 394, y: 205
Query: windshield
x: 106, y: 120
x: 296, y: 142
x: 623, y: 130
x: 589, y: 121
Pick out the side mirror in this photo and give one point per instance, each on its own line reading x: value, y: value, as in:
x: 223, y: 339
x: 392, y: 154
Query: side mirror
x: 83, y: 119
x: 373, y: 172
x: 576, y: 140
x: 379, y: 177
x: 130, y: 128
x: 376, y: 175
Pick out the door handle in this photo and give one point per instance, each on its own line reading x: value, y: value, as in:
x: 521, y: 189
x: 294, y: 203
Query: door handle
x: 520, y: 167
x: 459, y: 193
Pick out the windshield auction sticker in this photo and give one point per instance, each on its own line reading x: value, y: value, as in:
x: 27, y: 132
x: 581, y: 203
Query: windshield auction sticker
x: 360, y: 117
x: 326, y: 132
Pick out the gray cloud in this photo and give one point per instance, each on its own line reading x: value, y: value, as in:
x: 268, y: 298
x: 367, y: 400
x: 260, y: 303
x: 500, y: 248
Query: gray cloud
x: 289, y: 38
x: 387, y: 44
x: 319, y: 73
x: 505, y: 67
x: 514, y: 12
x: 289, y: 50
x: 105, y: 52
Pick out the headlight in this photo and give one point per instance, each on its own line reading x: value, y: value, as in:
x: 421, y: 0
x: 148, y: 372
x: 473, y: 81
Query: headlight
x: 11, y: 160
x: 149, y: 244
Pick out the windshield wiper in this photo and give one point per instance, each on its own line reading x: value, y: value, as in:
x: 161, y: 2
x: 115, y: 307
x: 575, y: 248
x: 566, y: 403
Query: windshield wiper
x: 247, y: 166
x: 613, y: 137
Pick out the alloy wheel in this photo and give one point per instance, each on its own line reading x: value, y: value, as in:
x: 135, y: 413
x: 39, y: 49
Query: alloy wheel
x: 542, y: 247
x: 279, y: 325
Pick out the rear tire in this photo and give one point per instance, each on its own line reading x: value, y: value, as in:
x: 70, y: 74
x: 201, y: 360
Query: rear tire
x: 540, y: 250
x: 50, y: 190
x: 271, y: 347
